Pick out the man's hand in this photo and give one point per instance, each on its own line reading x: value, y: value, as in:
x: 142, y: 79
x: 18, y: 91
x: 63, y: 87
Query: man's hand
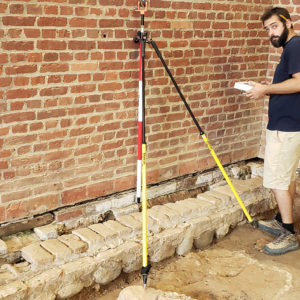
x: 258, y: 91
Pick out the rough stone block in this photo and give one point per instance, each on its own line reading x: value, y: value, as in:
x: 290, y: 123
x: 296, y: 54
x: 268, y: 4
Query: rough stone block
x: 74, y: 243
x: 43, y: 296
x: 257, y: 169
x: 103, y: 206
x: 194, y: 206
x: 37, y: 256
x: 204, y: 240
x: 199, y: 225
x: 3, y: 248
x: 153, y: 226
x: 131, y: 255
x: 69, y: 290
x: 160, y: 218
x: 173, y: 215
x: 15, y: 269
x: 200, y: 207
x: 204, y: 179
x: 109, y: 266
x: 59, y: 250
x: 6, y: 274
x: 163, y: 245
x: 162, y: 189
x: 45, y: 284
x: 139, y: 293
x: 187, y: 243
x: 46, y: 232
x: 259, y: 207
x: 131, y: 222
x: 15, y: 290
x: 221, y: 201
x: 125, y: 210
x: 94, y: 240
x: 78, y: 272
x: 123, y: 232
x: 183, y: 210
x: 217, y: 203
x: 123, y: 200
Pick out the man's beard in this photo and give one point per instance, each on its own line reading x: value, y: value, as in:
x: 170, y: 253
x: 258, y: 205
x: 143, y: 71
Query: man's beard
x: 280, y: 40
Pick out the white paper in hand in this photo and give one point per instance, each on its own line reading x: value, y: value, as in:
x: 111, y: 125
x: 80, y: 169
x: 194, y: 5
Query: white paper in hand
x: 243, y: 86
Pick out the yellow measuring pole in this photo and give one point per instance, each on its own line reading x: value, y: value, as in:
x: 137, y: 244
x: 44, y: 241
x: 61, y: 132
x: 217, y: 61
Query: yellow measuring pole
x: 227, y: 178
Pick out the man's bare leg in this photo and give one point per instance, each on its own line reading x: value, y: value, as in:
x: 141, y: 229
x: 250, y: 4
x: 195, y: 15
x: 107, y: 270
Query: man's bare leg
x: 285, y: 200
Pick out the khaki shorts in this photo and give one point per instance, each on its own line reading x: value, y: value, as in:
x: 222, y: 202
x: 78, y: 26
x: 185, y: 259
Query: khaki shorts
x: 282, y: 156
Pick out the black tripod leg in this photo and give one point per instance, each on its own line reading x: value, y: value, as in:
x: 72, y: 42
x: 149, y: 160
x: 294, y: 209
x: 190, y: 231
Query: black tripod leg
x: 176, y: 86
x: 203, y: 136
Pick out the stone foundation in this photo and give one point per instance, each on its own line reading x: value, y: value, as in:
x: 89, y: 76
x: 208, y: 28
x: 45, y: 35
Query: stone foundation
x: 60, y: 267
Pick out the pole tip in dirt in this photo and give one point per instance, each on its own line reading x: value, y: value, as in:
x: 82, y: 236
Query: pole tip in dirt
x: 254, y: 224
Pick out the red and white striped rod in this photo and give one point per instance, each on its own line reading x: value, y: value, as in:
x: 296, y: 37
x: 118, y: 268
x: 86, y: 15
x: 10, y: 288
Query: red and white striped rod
x: 140, y: 132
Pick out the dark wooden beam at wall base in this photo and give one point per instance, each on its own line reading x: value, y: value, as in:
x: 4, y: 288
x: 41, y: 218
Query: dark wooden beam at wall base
x: 25, y: 224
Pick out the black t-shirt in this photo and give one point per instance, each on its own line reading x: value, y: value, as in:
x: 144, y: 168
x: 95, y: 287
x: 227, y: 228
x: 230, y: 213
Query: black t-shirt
x: 284, y: 110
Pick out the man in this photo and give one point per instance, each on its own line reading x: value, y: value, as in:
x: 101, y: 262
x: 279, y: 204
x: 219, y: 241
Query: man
x: 282, y: 152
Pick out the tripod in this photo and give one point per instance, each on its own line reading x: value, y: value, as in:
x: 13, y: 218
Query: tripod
x: 142, y: 38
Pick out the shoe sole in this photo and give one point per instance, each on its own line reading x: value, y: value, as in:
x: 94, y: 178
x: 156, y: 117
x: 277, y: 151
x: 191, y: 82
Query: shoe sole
x: 275, y: 232
x: 281, y: 251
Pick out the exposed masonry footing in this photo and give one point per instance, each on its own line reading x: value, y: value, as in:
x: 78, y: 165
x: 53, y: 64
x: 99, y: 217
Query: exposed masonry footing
x: 125, y: 203
x: 99, y: 210
x: 61, y: 267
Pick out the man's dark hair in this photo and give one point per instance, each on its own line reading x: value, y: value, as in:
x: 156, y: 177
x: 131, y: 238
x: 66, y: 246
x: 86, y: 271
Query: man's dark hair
x: 280, y: 12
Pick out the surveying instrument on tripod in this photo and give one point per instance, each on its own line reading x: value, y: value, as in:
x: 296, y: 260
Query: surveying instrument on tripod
x: 142, y: 39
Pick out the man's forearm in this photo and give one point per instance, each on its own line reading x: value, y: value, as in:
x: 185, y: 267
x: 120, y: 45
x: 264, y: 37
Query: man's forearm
x: 289, y: 86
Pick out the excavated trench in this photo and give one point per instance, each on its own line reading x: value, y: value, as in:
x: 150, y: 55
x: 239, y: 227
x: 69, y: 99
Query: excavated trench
x: 233, y: 268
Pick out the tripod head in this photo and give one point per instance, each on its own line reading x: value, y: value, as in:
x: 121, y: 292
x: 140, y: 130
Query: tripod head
x: 142, y: 6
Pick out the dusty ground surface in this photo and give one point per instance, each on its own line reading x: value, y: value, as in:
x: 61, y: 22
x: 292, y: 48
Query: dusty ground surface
x: 234, y: 268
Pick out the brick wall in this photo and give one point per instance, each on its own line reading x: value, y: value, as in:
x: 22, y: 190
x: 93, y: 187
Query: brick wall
x: 69, y: 90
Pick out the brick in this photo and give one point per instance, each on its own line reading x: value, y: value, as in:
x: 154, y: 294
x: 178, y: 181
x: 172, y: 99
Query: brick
x: 18, y: 21
x: 83, y: 23
x: 74, y: 243
x: 100, y: 189
x: 81, y: 45
x: 51, y: 21
x: 132, y: 223
x: 111, y: 2
x: 37, y: 256
x: 46, y: 232
x: 110, y: 236
x: 122, y: 231
x: 51, y: 45
x: 59, y: 250
x: 19, y: 46
x: 94, y: 240
x: 16, y: 210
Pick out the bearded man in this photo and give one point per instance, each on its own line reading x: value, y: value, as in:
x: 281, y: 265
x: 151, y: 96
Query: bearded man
x: 282, y: 152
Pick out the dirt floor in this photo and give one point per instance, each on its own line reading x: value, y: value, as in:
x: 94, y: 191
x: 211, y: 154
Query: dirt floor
x: 234, y: 268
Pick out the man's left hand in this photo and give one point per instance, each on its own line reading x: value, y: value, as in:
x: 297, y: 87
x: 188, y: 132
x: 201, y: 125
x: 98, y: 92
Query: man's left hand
x: 258, y: 91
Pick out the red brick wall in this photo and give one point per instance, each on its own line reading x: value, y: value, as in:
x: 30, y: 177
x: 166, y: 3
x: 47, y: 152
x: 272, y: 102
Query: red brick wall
x: 69, y: 90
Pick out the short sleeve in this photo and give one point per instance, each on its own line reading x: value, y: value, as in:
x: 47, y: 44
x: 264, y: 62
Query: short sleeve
x: 292, y: 58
